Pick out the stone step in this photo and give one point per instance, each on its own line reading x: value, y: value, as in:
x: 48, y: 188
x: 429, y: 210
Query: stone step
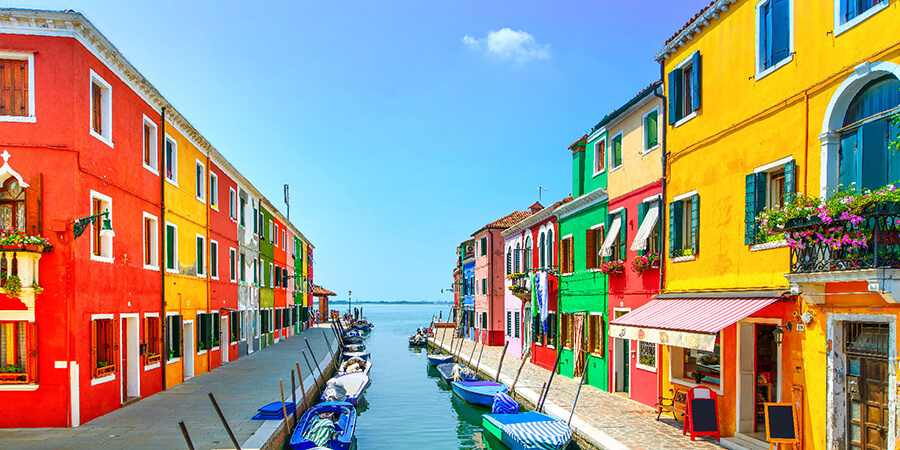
x: 742, y: 442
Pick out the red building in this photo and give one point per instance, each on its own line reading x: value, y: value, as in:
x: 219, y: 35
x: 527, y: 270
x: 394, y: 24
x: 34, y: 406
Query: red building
x: 223, y: 268
x: 279, y: 240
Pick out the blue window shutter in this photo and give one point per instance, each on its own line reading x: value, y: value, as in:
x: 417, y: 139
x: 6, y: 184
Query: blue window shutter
x: 790, y: 181
x: 780, y: 29
x: 674, y: 96
x: 695, y: 223
x: 850, y: 9
x: 623, y: 233
x: 765, y: 38
x: 675, y: 221
x: 750, y: 210
x: 695, y: 83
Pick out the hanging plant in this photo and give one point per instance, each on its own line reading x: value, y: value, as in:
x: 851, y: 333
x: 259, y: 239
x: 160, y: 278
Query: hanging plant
x: 613, y: 267
x: 645, y: 262
x: 12, y: 286
x: 12, y: 238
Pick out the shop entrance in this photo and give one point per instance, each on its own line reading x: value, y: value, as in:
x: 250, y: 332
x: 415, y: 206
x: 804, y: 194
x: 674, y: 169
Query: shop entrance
x: 526, y: 329
x: 866, y: 347
x: 621, y: 359
x: 758, y: 367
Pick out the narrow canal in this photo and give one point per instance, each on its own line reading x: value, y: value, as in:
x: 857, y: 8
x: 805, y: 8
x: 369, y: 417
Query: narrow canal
x: 408, y: 406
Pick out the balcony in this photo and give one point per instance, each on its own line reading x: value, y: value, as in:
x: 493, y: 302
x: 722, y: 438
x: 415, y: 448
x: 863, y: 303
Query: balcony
x: 20, y: 273
x: 865, y: 248
x: 520, y: 286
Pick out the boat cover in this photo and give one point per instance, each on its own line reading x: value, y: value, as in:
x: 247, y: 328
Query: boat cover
x: 545, y: 435
x: 354, y: 364
x: 504, y: 404
x: 335, y: 391
x: 320, y: 432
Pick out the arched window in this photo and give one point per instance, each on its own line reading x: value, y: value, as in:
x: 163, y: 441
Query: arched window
x: 542, y: 251
x: 528, y: 253
x: 549, y: 249
x: 865, y: 157
x: 12, y: 205
x: 518, y: 258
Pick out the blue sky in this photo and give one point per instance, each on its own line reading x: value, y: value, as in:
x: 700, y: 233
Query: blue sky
x: 401, y: 126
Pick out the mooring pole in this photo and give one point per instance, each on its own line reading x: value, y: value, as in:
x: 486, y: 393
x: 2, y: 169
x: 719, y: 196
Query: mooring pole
x: 474, y: 347
x: 541, y: 396
x: 313, y: 355
x: 287, y: 423
x: 302, y: 388
x: 224, y: 422
x: 294, y: 395
x: 311, y: 371
x: 577, y: 393
x: 327, y: 344
x: 187, y: 438
x: 519, y: 372
x: 479, y: 357
x: 497, y: 378
x: 549, y: 382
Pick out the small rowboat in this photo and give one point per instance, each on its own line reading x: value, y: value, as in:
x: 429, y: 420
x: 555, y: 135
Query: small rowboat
x: 436, y: 360
x: 417, y: 341
x: 313, y: 429
x: 478, y: 392
x: 528, y: 430
x: 353, y: 384
x: 358, y: 364
x: 353, y: 340
x: 361, y: 355
x: 446, y: 371
x: 354, y: 347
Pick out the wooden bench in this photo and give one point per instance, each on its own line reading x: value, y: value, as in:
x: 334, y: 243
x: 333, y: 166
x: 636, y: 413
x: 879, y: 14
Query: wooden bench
x: 674, y: 405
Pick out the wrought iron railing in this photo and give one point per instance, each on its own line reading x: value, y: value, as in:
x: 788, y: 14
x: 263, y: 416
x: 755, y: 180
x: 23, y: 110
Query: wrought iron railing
x: 821, y: 247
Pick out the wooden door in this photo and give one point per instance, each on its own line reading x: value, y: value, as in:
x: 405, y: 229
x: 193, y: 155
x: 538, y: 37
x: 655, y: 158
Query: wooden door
x: 866, y: 348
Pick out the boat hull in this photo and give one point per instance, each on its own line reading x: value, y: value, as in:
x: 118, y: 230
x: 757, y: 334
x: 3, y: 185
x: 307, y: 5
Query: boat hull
x: 478, y: 392
x: 528, y: 431
x: 436, y: 360
x: 344, y: 437
x: 446, y: 371
x: 361, y: 355
x: 356, y: 384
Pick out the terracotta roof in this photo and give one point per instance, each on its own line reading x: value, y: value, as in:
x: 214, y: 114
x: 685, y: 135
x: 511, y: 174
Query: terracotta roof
x: 579, y: 143
x: 322, y: 292
x: 537, y: 206
x: 506, y: 222
x: 689, y: 22
x: 618, y: 112
x: 562, y: 202
x: 693, y: 27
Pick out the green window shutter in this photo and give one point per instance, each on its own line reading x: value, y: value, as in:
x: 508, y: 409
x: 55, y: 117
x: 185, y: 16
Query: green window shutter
x: 750, y: 210
x: 200, y: 260
x: 660, y: 224
x: 652, y: 130
x: 695, y: 82
x: 642, y: 212
x: 170, y: 247
x: 509, y: 323
x: 675, y: 217
x: 483, y: 246
x: 609, y: 221
x: 695, y: 222
x: 790, y: 181
x: 508, y: 262
x: 623, y: 233
x: 674, y: 96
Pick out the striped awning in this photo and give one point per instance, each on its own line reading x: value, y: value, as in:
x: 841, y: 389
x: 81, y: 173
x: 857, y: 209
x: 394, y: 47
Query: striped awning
x: 685, y: 322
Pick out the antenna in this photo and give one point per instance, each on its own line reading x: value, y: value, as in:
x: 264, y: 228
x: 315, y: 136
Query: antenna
x: 287, y: 200
x: 539, y: 193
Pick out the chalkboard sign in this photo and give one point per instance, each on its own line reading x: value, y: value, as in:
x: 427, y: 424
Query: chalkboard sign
x: 781, y: 423
x: 703, y: 415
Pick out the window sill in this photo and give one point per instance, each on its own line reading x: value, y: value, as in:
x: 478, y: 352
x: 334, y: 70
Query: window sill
x: 685, y: 119
x: 646, y: 368
x: 597, y: 174
x: 172, y: 271
x: 151, y: 367
x: 684, y: 258
x: 20, y: 119
x: 647, y: 151
x: 172, y: 180
x: 173, y: 360
x: 214, y: 348
x: 152, y: 169
x: 596, y: 355
x: 103, y: 259
x: 615, y: 168
x: 762, y: 74
x: 201, y: 352
x: 102, y: 139
x: 842, y: 27
x: 101, y: 380
x: 154, y: 268
x: 768, y: 245
x: 690, y: 384
x: 18, y: 387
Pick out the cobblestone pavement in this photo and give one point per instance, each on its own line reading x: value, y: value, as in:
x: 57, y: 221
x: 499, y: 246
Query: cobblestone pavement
x: 240, y: 387
x: 630, y: 423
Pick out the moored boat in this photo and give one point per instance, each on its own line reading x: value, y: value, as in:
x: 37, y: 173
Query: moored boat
x: 350, y: 386
x: 361, y: 355
x: 478, y: 392
x: 462, y: 373
x: 417, y: 340
x: 329, y: 425
x: 436, y: 360
x: 354, y: 365
x: 528, y: 430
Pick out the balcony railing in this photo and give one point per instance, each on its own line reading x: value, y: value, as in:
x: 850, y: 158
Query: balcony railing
x: 521, y: 287
x: 873, y: 242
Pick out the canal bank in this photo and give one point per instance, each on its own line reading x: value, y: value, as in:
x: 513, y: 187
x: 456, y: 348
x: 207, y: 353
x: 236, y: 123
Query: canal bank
x: 601, y: 419
x: 240, y: 388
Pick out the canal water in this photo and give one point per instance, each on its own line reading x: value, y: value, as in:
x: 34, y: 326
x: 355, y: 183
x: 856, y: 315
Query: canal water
x: 408, y: 406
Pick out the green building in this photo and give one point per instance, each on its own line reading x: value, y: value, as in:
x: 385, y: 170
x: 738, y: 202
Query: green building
x: 582, y: 297
x: 267, y: 275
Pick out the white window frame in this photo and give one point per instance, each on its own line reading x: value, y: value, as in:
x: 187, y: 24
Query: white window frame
x: 213, y: 190
x: 609, y: 159
x: 271, y: 231
x: 174, y: 180
x: 769, y: 169
x: 106, y: 243
x: 687, y: 61
x: 106, y: 109
x: 646, y: 150
x: 597, y: 152
x: 842, y: 27
x: 275, y: 234
x: 154, y: 241
x: 232, y: 204
x: 681, y: 198
x: 760, y: 72
x: 638, y: 364
x: 154, y: 154
x: 23, y: 56
x: 271, y: 276
x: 233, y: 263
x: 201, y: 195
x: 200, y: 264
x: 174, y: 248
x: 213, y: 262
x: 283, y: 239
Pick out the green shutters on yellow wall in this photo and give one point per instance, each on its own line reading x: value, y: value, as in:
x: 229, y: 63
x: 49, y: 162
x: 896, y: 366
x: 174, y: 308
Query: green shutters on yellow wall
x: 676, y: 211
x: 695, y: 223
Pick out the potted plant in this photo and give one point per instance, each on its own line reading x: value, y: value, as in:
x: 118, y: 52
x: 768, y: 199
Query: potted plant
x: 12, y: 286
x: 645, y: 262
x: 697, y: 376
x: 614, y: 267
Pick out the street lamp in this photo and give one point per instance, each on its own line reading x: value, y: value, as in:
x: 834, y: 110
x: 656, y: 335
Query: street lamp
x: 105, y: 227
x: 349, y: 302
x: 779, y: 331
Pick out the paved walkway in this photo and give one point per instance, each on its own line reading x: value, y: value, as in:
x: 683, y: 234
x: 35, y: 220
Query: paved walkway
x: 603, y: 419
x: 240, y: 387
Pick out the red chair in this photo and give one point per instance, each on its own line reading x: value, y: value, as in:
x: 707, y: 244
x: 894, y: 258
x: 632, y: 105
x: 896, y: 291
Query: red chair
x: 700, y: 392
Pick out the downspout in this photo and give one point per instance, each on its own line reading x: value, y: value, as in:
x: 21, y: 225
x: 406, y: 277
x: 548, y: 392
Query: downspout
x: 162, y: 228
x: 208, y: 258
x: 664, y: 162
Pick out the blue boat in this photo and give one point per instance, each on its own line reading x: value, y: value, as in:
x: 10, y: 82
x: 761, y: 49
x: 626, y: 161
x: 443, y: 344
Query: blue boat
x: 478, y: 392
x: 361, y: 355
x: 311, y: 427
x: 436, y: 360
x: 528, y: 430
x: 352, y: 384
x: 353, y: 340
x: 446, y: 371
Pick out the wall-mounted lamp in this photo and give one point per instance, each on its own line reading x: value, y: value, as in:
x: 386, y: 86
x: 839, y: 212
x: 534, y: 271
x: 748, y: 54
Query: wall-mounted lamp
x: 106, y: 229
x: 779, y: 332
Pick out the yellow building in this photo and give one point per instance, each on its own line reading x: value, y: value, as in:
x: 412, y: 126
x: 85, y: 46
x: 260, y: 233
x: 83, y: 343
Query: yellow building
x: 766, y: 100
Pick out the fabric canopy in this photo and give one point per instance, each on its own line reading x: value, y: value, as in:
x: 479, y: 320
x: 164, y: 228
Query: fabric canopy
x: 611, y: 235
x: 685, y: 322
x: 640, y: 239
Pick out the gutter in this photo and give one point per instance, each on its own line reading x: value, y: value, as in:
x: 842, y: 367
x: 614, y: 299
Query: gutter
x: 162, y: 228
x: 664, y: 161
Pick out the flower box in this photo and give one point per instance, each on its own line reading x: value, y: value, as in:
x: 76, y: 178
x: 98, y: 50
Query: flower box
x: 615, y: 267
x: 802, y: 222
x: 153, y: 359
x: 105, y: 370
x: 14, y: 378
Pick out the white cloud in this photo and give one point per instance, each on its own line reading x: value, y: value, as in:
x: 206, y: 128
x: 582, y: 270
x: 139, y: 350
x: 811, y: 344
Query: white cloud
x: 509, y: 45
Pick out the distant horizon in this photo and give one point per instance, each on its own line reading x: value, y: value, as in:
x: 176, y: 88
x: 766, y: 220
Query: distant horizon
x: 396, y: 302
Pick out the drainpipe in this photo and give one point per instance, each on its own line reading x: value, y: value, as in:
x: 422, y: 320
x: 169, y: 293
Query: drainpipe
x: 162, y: 233
x: 491, y: 302
x: 664, y: 162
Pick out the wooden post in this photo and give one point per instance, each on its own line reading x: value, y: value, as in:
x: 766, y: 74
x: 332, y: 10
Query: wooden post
x: 519, y: 372
x: 577, y: 393
x: 540, y: 397
x: 313, y: 355
x: 502, y: 355
x: 187, y: 437
x: 224, y: 422
x: 311, y: 371
x: 287, y: 423
x: 302, y: 388
x: 479, y: 357
x: 474, y: 347
x: 327, y: 344
x: 550, y: 381
x: 294, y: 395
